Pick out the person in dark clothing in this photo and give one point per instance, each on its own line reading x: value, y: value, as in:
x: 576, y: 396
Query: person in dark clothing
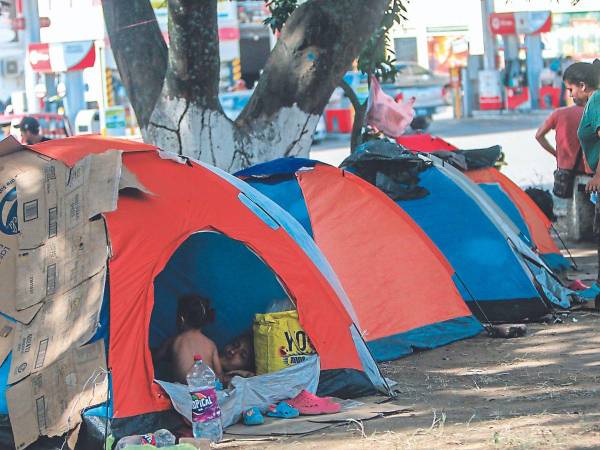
x: 30, y: 131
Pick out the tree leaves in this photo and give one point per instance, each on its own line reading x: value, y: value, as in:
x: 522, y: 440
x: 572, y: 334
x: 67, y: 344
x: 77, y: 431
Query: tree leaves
x: 280, y: 10
x: 376, y: 57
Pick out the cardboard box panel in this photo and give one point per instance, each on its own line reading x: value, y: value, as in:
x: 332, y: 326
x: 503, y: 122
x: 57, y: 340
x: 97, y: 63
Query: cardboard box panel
x: 7, y: 333
x: 69, y: 320
x: 50, y: 402
x: 10, y: 167
x: 61, y: 264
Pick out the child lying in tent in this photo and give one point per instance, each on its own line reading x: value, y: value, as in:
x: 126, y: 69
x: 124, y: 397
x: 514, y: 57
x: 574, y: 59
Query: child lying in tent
x: 175, y: 357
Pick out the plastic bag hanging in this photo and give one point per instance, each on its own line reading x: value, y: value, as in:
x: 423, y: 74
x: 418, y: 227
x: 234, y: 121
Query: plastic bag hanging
x: 385, y: 114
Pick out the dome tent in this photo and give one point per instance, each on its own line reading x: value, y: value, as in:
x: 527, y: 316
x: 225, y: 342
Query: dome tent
x: 399, y: 284
x: 501, y: 277
x: 532, y: 222
x: 165, y: 209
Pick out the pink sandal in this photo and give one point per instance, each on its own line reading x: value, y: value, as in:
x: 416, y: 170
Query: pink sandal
x: 309, y: 404
x: 578, y: 285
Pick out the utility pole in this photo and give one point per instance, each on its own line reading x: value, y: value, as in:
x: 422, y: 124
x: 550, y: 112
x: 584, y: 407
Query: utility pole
x: 102, y: 100
x: 489, y: 42
x: 31, y: 35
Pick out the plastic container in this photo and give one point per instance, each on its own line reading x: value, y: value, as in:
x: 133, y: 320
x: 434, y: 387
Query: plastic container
x: 206, y: 414
x: 160, y: 438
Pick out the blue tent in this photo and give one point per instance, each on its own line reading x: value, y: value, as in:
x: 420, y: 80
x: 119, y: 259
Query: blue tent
x: 500, y: 276
x: 384, y: 261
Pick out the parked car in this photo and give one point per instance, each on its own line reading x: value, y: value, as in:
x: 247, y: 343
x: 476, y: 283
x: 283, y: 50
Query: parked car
x: 52, y: 126
x: 431, y: 91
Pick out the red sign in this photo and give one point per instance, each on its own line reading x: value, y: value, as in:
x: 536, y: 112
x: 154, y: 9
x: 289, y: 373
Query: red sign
x: 525, y: 22
x: 39, y: 57
x: 502, y: 23
x: 61, y: 56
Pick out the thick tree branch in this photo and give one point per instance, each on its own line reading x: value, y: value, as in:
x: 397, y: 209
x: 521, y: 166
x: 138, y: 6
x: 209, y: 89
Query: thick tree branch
x: 360, y: 110
x: 349, y: 92
x: 317, y: 46
x: 140, y: 52
x: 194, y: 63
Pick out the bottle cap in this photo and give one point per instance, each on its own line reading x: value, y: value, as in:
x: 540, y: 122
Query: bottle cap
x: 197, y: 358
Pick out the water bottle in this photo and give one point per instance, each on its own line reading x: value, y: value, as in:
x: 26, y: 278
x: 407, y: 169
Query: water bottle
x: 594, y: 197
x: 206, y: 414
x: 160, y: 438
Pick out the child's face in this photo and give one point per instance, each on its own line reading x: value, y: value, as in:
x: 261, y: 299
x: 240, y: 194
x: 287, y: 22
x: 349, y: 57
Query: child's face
x: 236, y: 356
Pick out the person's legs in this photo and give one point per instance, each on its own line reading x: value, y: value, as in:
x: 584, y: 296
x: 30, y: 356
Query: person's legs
x: 594, y: 291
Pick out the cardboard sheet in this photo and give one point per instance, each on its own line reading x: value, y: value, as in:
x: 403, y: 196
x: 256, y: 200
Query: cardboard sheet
x: 10, y: 167
x: 61, y: 264
x: 67, y: 321
x: 128, y: 180
x: 9, y: 145
x: 7, y: 333
x: 59, y: 247
x: 278, y: 427
x: 50, y: 402
x: 351, y: 410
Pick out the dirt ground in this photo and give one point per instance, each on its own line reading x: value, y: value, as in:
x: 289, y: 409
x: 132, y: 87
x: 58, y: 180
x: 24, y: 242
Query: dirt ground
x: 540, y: 391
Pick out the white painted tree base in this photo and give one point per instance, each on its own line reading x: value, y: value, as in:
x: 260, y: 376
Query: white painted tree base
x: 209, y: 136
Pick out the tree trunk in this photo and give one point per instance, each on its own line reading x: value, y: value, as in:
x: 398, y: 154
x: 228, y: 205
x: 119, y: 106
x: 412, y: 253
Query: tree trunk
x: 140, y: 52
x: 317, y: 45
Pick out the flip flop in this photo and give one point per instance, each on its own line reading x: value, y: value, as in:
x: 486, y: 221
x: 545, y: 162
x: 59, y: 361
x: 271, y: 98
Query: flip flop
x: 253, y: 416
x: 283, y: 411
x: 309, y: 404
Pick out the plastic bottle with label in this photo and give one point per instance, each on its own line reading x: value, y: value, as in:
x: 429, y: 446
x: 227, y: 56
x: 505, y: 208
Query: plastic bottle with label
x: 206, y: 414
x: 160, y: 438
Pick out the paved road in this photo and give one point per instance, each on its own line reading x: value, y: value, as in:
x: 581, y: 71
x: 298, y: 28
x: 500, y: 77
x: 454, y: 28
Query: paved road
x: 527, y: 165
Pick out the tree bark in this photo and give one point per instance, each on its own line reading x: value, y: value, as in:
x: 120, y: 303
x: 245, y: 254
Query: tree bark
x: 360, y: 111
x: 140, y: 52
x: 317, y: 46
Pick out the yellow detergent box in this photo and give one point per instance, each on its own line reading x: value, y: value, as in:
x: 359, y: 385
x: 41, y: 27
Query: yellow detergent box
x: 279, y: 341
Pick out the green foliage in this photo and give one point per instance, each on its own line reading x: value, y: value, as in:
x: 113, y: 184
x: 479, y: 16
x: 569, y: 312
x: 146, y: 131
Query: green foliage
x: 280, y: 11
x: 374, y: 59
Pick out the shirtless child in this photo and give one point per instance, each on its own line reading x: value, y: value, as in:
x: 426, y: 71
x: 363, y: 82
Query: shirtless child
x: 193, y: 312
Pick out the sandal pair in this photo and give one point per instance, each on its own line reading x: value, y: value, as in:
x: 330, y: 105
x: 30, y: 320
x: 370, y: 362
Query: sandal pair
x: 282, y: 410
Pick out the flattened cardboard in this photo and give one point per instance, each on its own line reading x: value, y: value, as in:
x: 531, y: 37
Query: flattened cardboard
x: 130, y: 180
x: 105, y: 172
x: 49, y: 403
x: 10, y: 167
x: 69, y: 320
x: 61, y: 264
x: 351, y: 410
x: 278, y: 427
x: 58, y: 247
x: 9, y: 145
x: 7, y: 333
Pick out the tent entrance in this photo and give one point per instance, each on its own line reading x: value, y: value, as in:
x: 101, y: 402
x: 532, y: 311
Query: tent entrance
x: 237, y: 282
